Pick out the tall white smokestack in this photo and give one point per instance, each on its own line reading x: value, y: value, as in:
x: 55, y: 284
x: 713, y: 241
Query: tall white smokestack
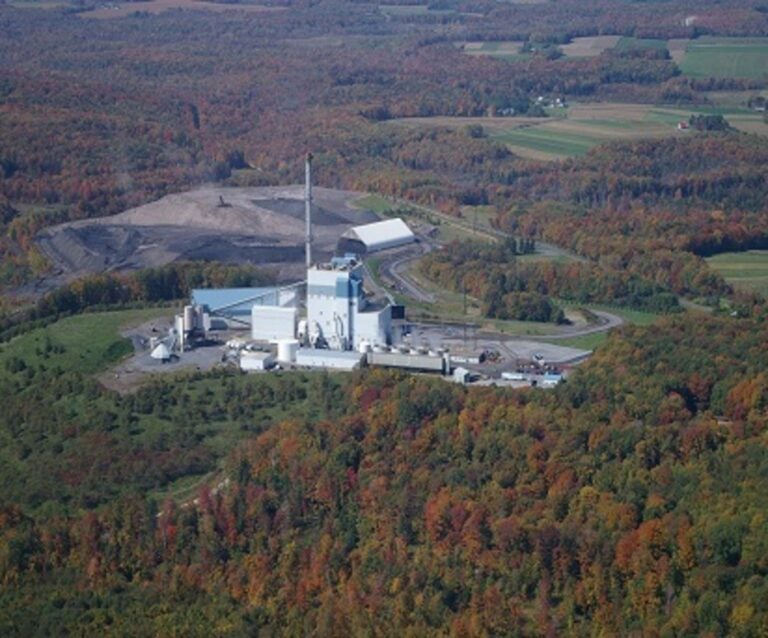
x: 308, y: 206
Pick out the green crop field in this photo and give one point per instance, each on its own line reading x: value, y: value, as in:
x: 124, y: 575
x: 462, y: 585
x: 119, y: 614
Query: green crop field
x: 582, y: 126
x: 726, y: 58
x: 744, y: 270
x: 551, y: 142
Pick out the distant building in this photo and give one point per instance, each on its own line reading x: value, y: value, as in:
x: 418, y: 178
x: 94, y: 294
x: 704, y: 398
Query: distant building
x: 551, y: 379
x: 370, y: 238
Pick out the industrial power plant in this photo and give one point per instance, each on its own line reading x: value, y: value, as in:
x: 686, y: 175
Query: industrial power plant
x: 330, y: 318
x: 327, y: 320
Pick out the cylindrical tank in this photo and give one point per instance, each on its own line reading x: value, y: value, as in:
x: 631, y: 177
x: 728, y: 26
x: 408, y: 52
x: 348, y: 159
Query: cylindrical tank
x: 189, y: 318
x: 287, y: 349
x: 179, y: 324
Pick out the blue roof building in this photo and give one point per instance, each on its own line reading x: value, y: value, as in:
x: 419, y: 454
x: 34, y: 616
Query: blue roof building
x: 234, y: 304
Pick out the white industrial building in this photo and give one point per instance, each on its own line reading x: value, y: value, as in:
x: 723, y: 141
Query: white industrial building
x: 256, y: 360
x: 335, y: 359
x: 272, y: 323
x: 370, y: 238
x: 338, y: 314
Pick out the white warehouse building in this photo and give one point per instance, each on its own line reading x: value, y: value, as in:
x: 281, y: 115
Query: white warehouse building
x: 273, y: 323
x: 370, y: 238
x: 338, y: 314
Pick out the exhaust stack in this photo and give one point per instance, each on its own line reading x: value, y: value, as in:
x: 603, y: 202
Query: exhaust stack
x: 308, y: 206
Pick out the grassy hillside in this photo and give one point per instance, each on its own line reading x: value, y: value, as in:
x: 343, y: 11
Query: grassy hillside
x: 84, y: 343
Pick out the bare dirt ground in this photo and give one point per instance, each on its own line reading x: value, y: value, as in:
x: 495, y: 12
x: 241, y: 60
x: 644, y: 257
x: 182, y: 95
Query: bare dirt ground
x: 264, y: 226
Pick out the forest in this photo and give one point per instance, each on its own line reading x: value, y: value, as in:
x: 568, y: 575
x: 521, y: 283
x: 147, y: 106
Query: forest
x: 629, y: 501
x: 96, y: 120
x: 513, y: 288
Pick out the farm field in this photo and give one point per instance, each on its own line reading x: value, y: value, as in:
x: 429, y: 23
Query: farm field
x: 590, y: 47
x: 411, y: 9
x: 627, y: 43
x: 575, y: 131
x: 726, y: 58
x: 505, y: 50
x: 746, y: 271
x: 121, y: 10
x: 707, y: 56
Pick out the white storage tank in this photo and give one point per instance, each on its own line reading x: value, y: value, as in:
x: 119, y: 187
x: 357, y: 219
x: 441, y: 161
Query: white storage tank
x: 189, y: 318
x: 180, y: 333
x: 286, y: 350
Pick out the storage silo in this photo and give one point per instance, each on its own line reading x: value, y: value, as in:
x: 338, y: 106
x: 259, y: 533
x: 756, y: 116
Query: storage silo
x: 189, y: 318
x: 287, y: 349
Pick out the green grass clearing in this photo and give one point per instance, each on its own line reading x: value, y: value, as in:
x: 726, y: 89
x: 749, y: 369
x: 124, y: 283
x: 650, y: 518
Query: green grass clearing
x: 583, y: 342
x: 375, y: 203
x: 630, y: 315
x: 726, y: 58
x: 87, y: 343
x: 746, y: 271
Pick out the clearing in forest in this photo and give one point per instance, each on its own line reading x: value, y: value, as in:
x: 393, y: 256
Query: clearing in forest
x: 590, y: 47
x: 505, y: 50
x: 746, y: 270
x: 87, y: 343
x: 726, y: 58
